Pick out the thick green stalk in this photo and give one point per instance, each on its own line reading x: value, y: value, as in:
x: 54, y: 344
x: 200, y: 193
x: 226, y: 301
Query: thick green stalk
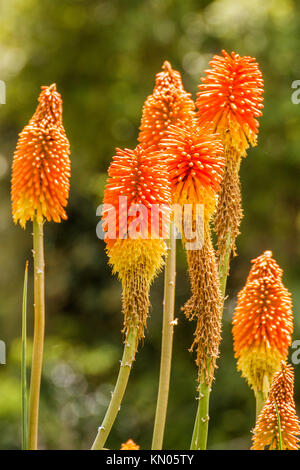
x: 262, y: 396
x: 224, y: 266
x: 118, y: 393
x: 38, y: 337
x: 23, y: 364
x: 167, y: 343
x: 279, y: 427
x: 199, y: 438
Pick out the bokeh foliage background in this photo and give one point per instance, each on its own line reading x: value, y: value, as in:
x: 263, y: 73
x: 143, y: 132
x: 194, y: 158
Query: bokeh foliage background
x: 103, y: 55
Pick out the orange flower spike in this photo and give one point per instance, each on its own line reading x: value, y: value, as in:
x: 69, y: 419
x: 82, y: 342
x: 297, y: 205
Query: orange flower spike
x: 130, y: 445
x: 168, y: 104
x: 142, y: 178
x: 41, y: 164
x: 230, y: 99
x: 196, y: 165
x: 262, y: 323
x: 229, y: 103
x: 266, y: 431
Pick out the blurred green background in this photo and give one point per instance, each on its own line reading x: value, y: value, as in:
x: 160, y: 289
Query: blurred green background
x: 103, y: 55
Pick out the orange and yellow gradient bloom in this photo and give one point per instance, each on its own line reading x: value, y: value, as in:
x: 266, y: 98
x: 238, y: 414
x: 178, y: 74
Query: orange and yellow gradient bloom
x: 168, y: 104
x: 229, y: 103
x: 41, y: 164
x: 195, y: 160
x: 139, y: 178
x: 262, y: 323
x: 266, y: 431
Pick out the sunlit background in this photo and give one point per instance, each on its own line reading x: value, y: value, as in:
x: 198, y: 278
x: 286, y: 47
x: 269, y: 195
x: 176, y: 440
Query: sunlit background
x: 103, y: 56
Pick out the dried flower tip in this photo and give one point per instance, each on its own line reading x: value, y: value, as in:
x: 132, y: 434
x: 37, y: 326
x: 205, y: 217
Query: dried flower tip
x: 205, y: 306
x: 266, y: 431
x: 41, y: 164
x: 262, y: 323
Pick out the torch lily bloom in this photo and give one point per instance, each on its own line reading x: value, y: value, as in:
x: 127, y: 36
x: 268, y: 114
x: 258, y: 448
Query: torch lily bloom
x: 229, y: 103
x: 277, y: 426
x: 195, y: 159
x: 140, y: 179
x: 39, y: 191
x: 262, y: 323
x: 168, y: 104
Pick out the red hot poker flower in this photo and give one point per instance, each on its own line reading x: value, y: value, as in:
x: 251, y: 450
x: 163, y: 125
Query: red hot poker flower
x: 263, y: 322
x: 139, y: 177
x: 130, y: 445
x: 41, y: 165
x: 168, y: 104
x: 230, y: 99
x: 195, y: 159
x: 196, y: 163
x: 266, y: 431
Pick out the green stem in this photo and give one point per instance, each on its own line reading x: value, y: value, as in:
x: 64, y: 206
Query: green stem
x: 199, y: 438
x: 261, y: 396
x: 23, y: 364
x: 117, y: 396
x: 38, y: 337
x: 224, y: 265
x: 167, y: 343
x: 279, y: 427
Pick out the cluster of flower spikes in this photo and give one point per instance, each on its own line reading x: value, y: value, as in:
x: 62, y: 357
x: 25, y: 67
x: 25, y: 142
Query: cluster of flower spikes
x: 195, y: 160
x: 168, y: 104
x: 262, y: 323
x: 279, y: 403
x: 41, y: 164
x: 130, y: 445
x: 137, y: 184
x: 229, y: 103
